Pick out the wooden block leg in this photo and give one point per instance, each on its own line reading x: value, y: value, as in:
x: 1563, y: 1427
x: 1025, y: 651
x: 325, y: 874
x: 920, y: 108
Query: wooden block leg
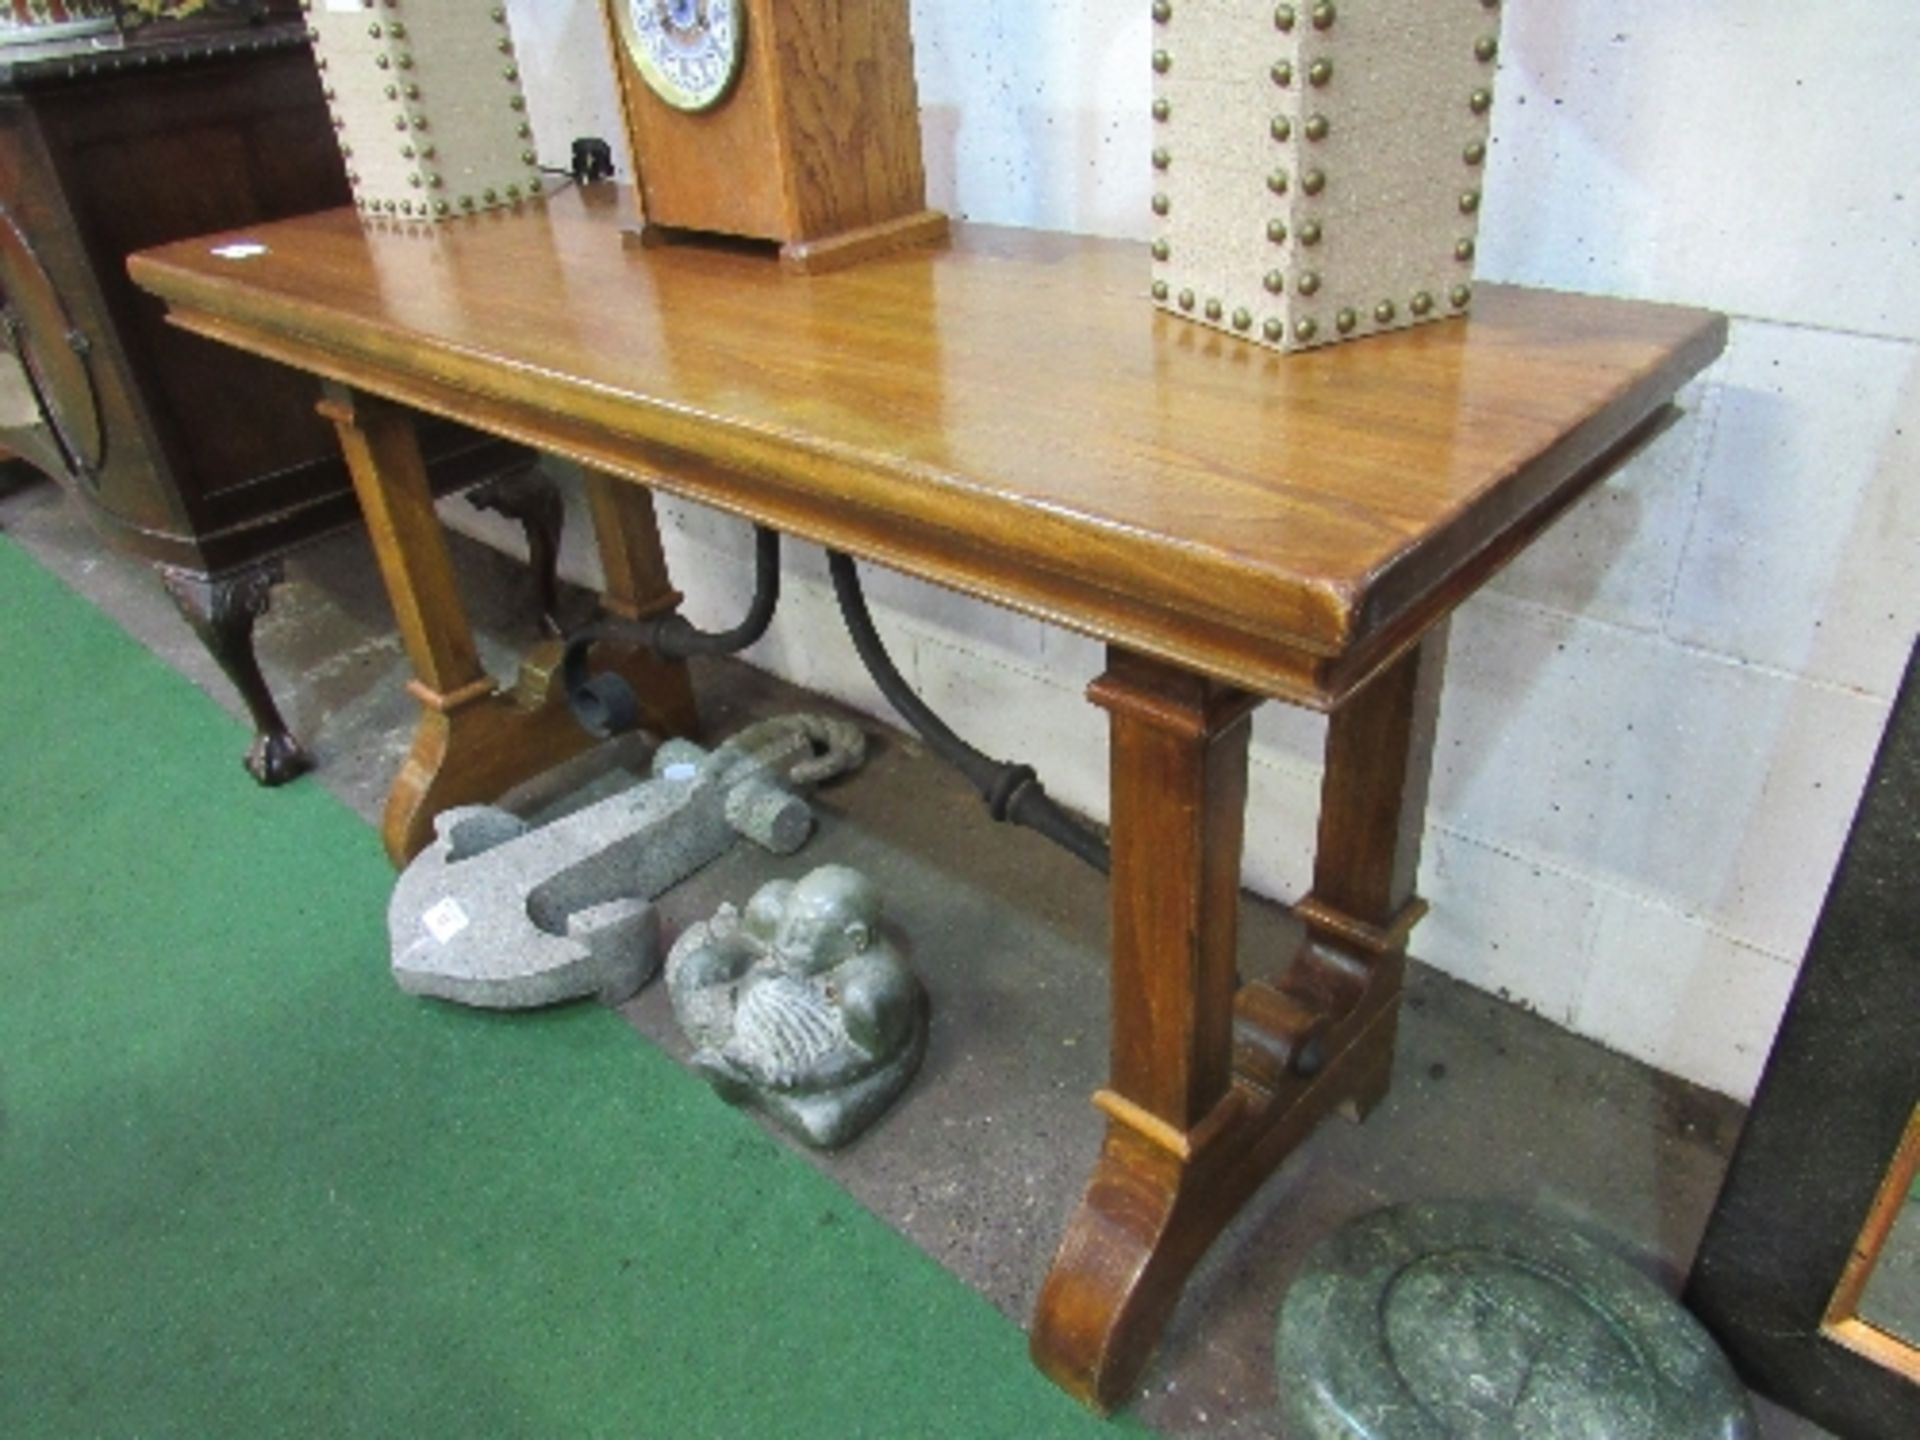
x: 474, y: 740
x: 628, y: 534
x: 1213, y: 1086
x: 222, y: 610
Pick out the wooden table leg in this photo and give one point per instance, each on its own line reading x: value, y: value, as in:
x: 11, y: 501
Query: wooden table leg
x: 476, y: 740
x: 1214, y: 1083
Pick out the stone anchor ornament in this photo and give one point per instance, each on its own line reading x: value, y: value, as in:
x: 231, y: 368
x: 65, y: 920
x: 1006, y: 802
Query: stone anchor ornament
x: 800, y: 1006
x: 500, y: 915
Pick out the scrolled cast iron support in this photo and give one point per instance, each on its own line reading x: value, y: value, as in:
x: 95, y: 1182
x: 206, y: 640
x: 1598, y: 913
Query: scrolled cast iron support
x: 1013, y: 792
x: 605, y: 704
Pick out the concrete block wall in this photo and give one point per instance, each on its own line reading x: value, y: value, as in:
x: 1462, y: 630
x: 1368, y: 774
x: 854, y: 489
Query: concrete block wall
x: 1656, y: 726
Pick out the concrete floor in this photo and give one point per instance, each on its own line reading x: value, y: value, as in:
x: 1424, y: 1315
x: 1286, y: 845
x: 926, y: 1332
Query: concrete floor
x: 983, y: 1161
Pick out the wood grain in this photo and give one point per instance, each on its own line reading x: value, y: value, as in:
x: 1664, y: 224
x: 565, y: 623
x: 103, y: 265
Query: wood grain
x: 1214, y: 1082
x: 819, y: 137
x: 1008, y: 417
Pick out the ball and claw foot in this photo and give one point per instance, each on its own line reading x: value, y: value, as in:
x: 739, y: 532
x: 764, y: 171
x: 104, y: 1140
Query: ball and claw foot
x: 276, y: 758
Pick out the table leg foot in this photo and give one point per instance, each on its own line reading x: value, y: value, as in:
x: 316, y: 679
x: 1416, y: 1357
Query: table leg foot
x: 473, y: 745
x: 1157, y: 1200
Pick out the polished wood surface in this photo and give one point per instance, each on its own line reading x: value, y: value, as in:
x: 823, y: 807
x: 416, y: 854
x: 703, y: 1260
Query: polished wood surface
x: 819, y: 137
x: 1008, y: 416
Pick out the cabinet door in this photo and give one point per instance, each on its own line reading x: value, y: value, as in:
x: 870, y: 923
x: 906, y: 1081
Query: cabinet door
x: 53, y: 355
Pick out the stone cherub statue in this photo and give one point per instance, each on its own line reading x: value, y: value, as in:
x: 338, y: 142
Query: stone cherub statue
x: 801, y: 1006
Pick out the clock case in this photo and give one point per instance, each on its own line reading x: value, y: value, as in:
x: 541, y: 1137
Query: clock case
x: 815, y: 147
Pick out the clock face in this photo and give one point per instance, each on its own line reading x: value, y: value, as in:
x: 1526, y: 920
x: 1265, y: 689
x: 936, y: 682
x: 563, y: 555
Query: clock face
x: 688, y: 51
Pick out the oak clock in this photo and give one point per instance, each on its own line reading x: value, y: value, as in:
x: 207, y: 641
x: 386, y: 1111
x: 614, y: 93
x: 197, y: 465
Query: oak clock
x: 791, y: 121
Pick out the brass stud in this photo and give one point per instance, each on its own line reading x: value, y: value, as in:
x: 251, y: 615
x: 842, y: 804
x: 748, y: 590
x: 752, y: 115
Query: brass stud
x: 1485, y: 49
x: 1316, y: 127
x: 499, y: 15
x: 1308, y: 283
x: 1277, y: 182
x: 1475, y: 153
x: 1310, y: 233
x: 1314, y: 181
x: 1421, y: 303
x: 1469, y: 201
x: 510, y: 72
x: 1282, y: 73
x: 1162, y: 12
x: 1345, y: 321
x: 1275, y: 282
x: 419, y: 122
x: 373, y: 30
x: 504, y: 45
x: 383, y: 61
x: 466, y: 202
x: 1480, y: 101
x: 1162, y: 251
x: 1161, y: 205
x: 1214, y: 309
x: 527, y: 157
x: 1160, y: 290
x: 393, y: 92
x: 1320, y: 72
x: 1323, y: 15
x: 533, y: 186
x: 440, y: 207
x: 489, y: 196
x: 426, y: 152
x: 1162, y: 157
x: 1277, y: 231
x: 1463, y: 249
x: 1274, y: 331
x: 1460, y: 295
x: 434, y: 182
x: 1161, y: 110
x: 1243, y: 319
x: 1186, y: 299
x: 346, y: 151
x: 513, y: 192
x: 397, y: 30
x: 1304, y: 329
x: 1162, y: 62
x: 1283, y: 17
x: 518, y: 102
x: 414, y: 180
x: 399, y: 122
x: 1384, y: 312
x: 1281, y: 128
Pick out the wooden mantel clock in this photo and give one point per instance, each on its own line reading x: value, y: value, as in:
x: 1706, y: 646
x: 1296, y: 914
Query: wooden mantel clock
x: 792, y: 121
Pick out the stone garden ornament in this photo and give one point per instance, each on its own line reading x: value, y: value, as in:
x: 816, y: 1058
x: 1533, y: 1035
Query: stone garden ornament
x: 800, y: 1006
x: 498, y: 914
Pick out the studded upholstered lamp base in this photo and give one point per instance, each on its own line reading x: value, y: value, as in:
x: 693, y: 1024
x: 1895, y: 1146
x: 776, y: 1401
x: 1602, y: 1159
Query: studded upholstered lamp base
x: 1317, y: 166
x: 1482, y: 1322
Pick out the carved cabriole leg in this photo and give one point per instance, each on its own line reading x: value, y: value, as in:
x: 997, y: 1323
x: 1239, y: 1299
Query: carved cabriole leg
x: 474, y: 740
x: 531, y: 498
x: 1211, y: 1089
x: 222, y: 610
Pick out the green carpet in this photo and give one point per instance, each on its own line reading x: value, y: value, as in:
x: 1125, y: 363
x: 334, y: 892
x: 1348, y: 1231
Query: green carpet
x: 247, y: 1188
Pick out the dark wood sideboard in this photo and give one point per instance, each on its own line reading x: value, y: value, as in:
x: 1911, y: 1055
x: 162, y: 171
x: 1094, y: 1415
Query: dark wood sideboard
x: 209, y: 462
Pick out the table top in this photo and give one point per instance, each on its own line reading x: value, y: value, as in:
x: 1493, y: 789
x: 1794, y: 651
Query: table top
x: 1009, y: 415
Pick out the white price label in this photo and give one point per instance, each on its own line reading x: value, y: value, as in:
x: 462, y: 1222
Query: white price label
x: 446, y: 920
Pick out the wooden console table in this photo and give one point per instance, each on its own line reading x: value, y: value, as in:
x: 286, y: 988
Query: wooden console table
x: 1009, y: 417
